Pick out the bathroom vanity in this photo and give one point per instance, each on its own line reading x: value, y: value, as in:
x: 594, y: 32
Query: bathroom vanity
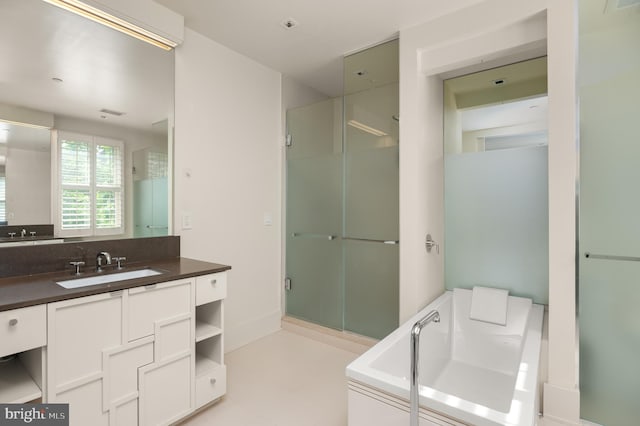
x: 143, y: 351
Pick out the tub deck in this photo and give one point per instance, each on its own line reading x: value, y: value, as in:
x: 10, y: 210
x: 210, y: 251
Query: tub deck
x: 470, y: 372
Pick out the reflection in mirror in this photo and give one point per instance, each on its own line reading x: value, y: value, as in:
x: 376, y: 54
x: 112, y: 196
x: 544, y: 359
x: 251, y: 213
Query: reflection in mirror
x: 25, y: 175
x: 92, y: 81
x: 496, y: 207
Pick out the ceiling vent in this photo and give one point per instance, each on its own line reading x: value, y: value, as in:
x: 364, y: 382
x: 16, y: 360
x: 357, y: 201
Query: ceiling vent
x: 290, y: 23
x: 112, y: 112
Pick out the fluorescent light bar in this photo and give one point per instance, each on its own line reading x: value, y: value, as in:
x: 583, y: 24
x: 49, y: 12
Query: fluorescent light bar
x: 365, y: 128
x: 19, y: 123
x: 113, y: 22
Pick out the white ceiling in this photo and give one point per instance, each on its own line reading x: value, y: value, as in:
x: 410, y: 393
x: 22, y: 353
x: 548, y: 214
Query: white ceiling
x: 312, y: 52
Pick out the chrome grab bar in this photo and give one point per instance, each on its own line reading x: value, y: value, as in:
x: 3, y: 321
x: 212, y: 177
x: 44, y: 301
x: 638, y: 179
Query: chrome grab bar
x: 327, y: 237
x: 611, y: 257
x: 391, y: 242
x: 414, y: 396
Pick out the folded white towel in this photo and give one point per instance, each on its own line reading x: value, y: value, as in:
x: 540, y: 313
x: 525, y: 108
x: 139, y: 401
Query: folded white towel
x: 489, y: 305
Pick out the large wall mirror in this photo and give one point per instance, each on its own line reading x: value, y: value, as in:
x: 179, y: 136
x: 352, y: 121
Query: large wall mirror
x: 62, y: 74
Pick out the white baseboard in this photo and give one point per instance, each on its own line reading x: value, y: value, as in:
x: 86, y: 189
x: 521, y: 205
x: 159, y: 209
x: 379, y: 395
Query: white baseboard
x: 561, y: 406
x: 238, y: 335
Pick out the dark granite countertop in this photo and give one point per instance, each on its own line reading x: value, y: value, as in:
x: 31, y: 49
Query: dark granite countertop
x: 29, y: 290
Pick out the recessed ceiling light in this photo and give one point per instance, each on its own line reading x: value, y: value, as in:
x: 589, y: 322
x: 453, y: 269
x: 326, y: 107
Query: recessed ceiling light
x: 289, y: 23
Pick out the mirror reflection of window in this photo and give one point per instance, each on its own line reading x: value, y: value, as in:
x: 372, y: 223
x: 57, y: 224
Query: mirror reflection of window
x: 90, y: 192
x: 3, y: 201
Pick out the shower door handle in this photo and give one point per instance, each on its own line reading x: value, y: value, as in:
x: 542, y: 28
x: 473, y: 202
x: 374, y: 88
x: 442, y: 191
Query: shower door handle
x: 369, y: 240
x: 322, y: 236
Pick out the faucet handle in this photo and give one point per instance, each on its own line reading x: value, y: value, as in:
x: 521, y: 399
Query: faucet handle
x: 33, y: 233
x: 119, y: 261
x: 12, y: 234
x: 77, y: 265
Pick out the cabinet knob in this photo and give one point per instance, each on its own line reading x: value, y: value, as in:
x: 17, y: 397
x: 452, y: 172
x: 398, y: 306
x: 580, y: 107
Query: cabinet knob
x: 214, y: 281
x: 13, y: 321
x: 212, y: 381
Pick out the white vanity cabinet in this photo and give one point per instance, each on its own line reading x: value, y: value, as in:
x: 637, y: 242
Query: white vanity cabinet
x: 147, y: 356
x: 130, y: 357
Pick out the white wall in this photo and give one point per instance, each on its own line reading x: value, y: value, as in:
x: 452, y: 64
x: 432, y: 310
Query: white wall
x: 133, y: 139
x: 228, y: 176
x: 493, y: 32
x: 28, y: 190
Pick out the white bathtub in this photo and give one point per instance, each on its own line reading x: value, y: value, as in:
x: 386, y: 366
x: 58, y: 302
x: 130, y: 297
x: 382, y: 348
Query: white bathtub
x: 471, y: 372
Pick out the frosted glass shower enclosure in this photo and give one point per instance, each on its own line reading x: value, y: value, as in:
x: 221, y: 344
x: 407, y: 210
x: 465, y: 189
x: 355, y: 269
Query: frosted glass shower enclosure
x: 342, y: 206
x: 609, y: 233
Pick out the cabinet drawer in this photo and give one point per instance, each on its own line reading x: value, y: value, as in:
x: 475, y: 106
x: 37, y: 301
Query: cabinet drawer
x: 211, y: 287
x: 23, y: 329
x: 211, y: 385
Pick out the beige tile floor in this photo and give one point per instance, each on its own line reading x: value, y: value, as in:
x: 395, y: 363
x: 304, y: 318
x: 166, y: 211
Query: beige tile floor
x: 283, y: 379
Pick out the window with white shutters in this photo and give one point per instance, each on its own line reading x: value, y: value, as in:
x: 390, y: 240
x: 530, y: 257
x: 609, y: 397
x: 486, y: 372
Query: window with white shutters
x: 91, y: 190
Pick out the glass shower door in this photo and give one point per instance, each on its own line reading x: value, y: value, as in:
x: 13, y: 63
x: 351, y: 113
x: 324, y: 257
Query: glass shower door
x: 371, y: 255
x: 314, y: 214
x: 609, y: 288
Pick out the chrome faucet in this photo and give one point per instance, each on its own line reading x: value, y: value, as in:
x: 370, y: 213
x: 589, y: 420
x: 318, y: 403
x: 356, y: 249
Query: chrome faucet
x: 414, y: 396
x: 23, y: 233
x: 102, y: 255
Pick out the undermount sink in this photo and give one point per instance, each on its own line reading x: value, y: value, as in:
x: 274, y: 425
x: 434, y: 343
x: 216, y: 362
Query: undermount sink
x: 108, y: 278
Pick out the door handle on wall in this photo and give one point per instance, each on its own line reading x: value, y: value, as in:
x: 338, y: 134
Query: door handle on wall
x: 429, y: 243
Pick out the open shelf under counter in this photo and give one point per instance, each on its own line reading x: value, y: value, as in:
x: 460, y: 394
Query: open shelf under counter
x: 16, y: 385
x: 205, y: 365
x: 206, y: 331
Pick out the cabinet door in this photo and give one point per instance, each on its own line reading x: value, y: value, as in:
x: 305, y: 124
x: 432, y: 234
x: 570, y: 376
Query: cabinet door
x: 120, y: 390
x: 79, y: 330
x: 158, y: 302
x: 166, y: 390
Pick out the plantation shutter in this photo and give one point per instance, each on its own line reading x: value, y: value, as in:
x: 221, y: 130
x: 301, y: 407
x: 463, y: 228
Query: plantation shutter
x: 91, y: 185
x: 108, y: 198
x: 75, y: 182
x: 3, y: 202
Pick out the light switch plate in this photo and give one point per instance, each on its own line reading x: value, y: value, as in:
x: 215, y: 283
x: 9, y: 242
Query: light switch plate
x: 186, y: 220
x: 267, y: 219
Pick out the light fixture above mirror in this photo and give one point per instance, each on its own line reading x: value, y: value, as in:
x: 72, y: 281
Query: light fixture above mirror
x: 114, y: 22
